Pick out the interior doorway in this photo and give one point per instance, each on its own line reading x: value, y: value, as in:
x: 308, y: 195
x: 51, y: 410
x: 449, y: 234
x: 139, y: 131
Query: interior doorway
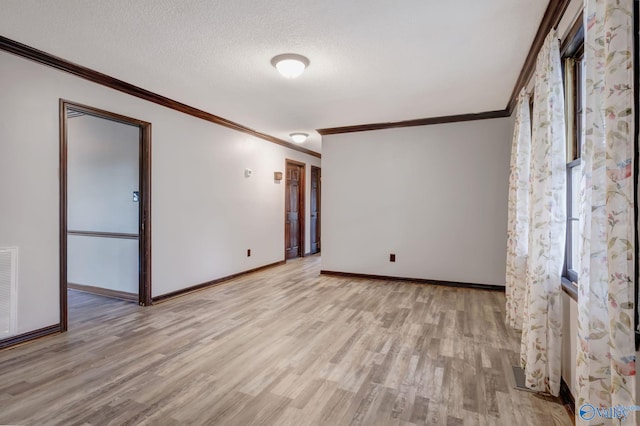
x: 314, y: 206
x: 105, y: 205
x: 294, y: 209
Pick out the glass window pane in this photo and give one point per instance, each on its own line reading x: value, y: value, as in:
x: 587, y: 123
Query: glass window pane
x: 575, y: 255
x: 576, y: 174
x: 581, y: 98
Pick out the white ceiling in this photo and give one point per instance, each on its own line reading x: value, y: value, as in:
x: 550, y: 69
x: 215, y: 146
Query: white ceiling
x: 371, y: 60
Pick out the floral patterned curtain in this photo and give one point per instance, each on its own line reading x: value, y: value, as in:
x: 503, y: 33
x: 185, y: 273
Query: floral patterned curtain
x: 606, y: 353
x: 540, y: 351
x: 518, y: 213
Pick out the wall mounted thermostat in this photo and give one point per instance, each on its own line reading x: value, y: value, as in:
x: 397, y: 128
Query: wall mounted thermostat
x: 248, y: 172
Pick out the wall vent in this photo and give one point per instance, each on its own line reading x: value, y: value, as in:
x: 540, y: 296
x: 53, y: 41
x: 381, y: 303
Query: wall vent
x: 8, y: 291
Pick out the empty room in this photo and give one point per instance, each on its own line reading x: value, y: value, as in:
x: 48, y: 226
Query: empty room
x: 319, y: 213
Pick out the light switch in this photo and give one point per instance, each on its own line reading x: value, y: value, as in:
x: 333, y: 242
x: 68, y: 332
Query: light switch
x: 136, y: 196
x: 248, y: 172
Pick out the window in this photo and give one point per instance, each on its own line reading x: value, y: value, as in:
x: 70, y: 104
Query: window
x: 575, y: 82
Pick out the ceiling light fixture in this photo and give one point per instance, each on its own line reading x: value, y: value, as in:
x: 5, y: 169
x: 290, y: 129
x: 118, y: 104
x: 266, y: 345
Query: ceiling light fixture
x: 290, y: 65
x: 299, y: 137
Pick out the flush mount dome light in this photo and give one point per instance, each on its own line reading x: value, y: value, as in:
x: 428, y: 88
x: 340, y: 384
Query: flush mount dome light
x: 290, y: 65
x: 299, y: 137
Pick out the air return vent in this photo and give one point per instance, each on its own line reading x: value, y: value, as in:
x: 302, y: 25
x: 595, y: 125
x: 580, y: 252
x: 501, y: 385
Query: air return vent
x: 8, y: 291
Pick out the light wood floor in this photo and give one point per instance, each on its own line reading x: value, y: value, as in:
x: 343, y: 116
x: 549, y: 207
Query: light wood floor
x: 280, y: 347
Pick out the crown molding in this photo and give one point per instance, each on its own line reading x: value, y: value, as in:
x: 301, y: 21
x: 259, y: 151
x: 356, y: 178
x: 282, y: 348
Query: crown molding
x: 61, y: 64
x: 417, y: 122
x: 552, y: 16
x: 550, y: 20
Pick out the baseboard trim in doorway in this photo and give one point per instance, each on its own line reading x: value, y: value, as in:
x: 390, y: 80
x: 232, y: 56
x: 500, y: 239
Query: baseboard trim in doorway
x: 477, y: 286
x: 198, y: 287
x: 115, y: 294
x: 567, y: 398
x: 520, y: 380
x: 31, y: 335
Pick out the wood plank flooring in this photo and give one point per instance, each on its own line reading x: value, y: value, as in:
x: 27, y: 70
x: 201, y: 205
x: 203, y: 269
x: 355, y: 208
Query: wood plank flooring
x: 284, y: 346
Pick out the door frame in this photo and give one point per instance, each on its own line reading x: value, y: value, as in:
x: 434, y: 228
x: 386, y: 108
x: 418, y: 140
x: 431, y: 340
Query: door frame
x: 318, y: 206
x: 144, y: 216
x: 301, y: 204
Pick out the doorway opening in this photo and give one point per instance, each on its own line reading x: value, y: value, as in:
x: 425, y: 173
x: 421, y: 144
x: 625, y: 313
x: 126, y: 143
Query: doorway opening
x: 294, y: 209
x: 314, y: 206
x: 105, y: 205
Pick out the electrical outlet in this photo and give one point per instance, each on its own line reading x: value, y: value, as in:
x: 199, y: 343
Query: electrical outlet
x: 248, y: 252
x: 392, y: 257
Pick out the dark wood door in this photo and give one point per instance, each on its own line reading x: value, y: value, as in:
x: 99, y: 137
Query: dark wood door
x: 314, y: 214
x: 294, y: 210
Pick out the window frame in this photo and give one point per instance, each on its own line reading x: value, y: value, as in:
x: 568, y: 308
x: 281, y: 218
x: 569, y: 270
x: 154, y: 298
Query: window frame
x: 572, y: 53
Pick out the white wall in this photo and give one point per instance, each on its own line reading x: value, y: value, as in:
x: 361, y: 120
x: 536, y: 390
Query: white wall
x: 205, y: 213
x: 103, y: 171
x: 569, y: 341
x: 436, y: 196
x: 110, y: 263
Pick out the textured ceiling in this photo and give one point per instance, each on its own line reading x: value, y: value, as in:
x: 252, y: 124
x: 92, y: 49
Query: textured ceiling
x: 371, y: 60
